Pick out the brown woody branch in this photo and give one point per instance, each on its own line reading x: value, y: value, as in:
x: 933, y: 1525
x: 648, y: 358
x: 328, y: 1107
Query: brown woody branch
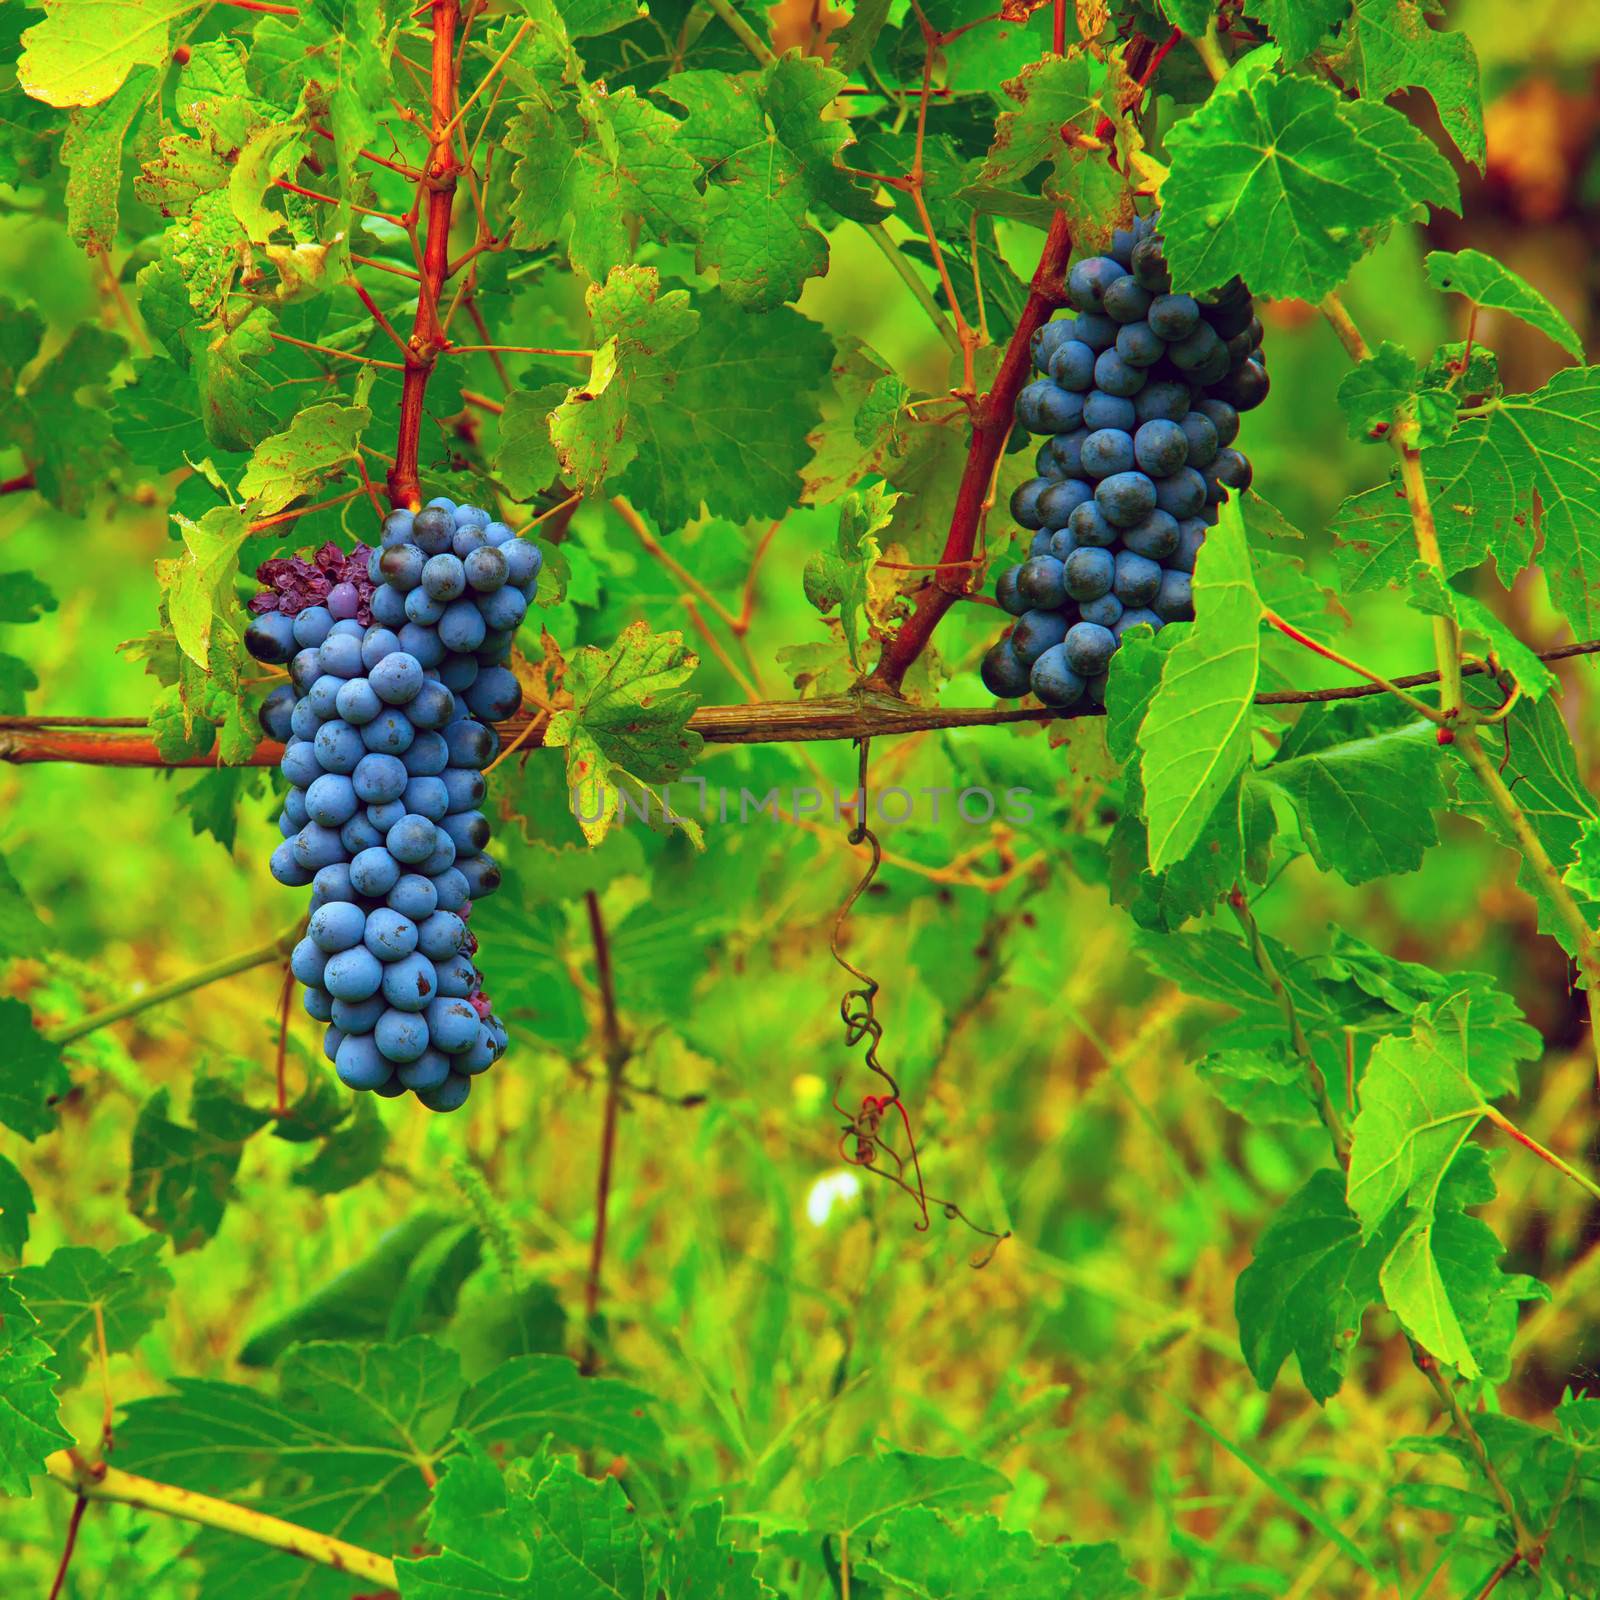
x: 26, y: 741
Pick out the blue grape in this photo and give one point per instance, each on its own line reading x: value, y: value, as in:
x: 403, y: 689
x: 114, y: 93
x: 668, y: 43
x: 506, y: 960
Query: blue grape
x: 1174, y: 601
x: 471, y: 517
x: 452, y: 1025
x: 469, y: 830
x: 305, y: 721
x: 353, y: 974
x: 1223, y: 417
x: 388, y: 606
x: 471, y: 744
x: 429, y: 1072
x: 1040, y: 583
x: 1164, y: 400
x: 402, y: 1036
x: 1096, y: 330
x: 433, y: 530
x: 1194, y: 349
x: 397, y: 678
x: 422, y: 643
x: 1089, y: 573
x: 505, y: 608
x: 357, y: 1016
x: 1090, y: 528
x: 1160, y: 447
x: 414, y: 897
x: 1125, y: 498
x: 294, y: 808
x: 428, y: 797
x: 305, y: 669
x: 374, y: 871
x: 332, y: 882
x: 317, y: 1003
x: 1138, y: 345
x: 524, y: 559
x: 1116, y: 376
x: 270, y: 637
x: 458, y: 978
x: 451, y: 1095
x: 431, y: 709
x: 1230, y: 468
x: 1065, y: 449
x: 1106, y: 452
x: 1047, y: 340
x: 299, y: 763
x: 1156, y: 537
x: 331, y: 800
x: 358, y: 702
x: 360, y: 1064
x: 1103, y: 410
x: 451, y: 887
x: 1107, y: 610
x: 341, y: 654
x: 388, y: 935
x: 1124, y: 301
x: 443, y: 577
x: 379, y: 777
x: 409, y: 984
x: 427, y: 756
x: 1191, y: 535
x: 1034, y: 633
x: 1072, y: 365
x: 1138, y: 579
x: 1173, y: 316
x: 339, y: 747
x: 496, y: 695
x: 413, y: 838
x: 1056, y: 504
x: 1089, y: 279
x: 332, y: 1038
x: 384, y: 814
x: 359, y: 834
x: 481, y: 1055
x: 389, y: 733
x: 1089, y: 648
x: 1062, y: 543
x: 312, y: 626
x: 1122, y: 242
x: 1201, y: 434
x: 1042, y: 407
x: 1183, y: 494
x: 1134, y: 618
x: 276, y: 715
x: 323, y: 696
x: 1025, y: 502
x: 462, y: 627
x: 316, y: 846
x: 487, y: 569
x: 307, y: 960
x: 396, y: 528
x: 1053, y: 679
x: 422, y: 608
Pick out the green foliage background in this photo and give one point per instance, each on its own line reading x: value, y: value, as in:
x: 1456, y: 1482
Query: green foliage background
x: 1203, y: 1342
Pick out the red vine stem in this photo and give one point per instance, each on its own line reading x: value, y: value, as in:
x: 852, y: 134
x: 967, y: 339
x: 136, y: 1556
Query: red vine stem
x: 427, y: 335
x: 991, y: 427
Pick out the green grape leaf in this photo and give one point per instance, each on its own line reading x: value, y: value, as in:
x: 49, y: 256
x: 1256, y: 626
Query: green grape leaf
x: 78, y: 1290
x: 864, y: 425
x: 1364, y: 778
x: 852, y: 44
x: 21, y: 931
x: 1281, y: 181
x: 525, y: 458
x: 1074, y: 90
x: 769, y: 157
x: 16, y: 1206
x: 698, y: 1565
x: 635, y: 327
x: 1300, y: 25
x: 356, y: 57
x: 32, y: 1075
x: 840, y: 577
x: 92, y: 155
x: 586, y: 171
x: 723, y: 424
x: 1583, y: 876
x: 180, y: 1177
x: 428, y: 1292
x: 1309, y: 1282
x: 67, y: 441
x: 529, y: 1398
x: 1388, y: 382
x: 1265, y: 1086
x: 1195, y: 737
x: 29, y: 1426
x: 1485, y: 282
x: 1541, y: 769
x: 349, y: 1154
x: 1391, y: 46
x: 214, y: 798
x: 860, y: 1491
x: 925, y: 1555
x: 200, y: 584
x: 84, y: 49
x: 301, y: 460
x: 1429, y: 594
x: 628, y: 726
x: 542, y: 1532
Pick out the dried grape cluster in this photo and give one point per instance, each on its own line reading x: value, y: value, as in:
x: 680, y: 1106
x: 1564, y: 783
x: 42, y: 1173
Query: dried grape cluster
x: 387, y: 726
x: 1141, y: 396
x: 332, y: 577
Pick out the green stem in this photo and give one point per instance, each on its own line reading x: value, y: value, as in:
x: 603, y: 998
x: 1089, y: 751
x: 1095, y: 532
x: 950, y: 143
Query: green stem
x: 1429, y: 1368
x: 907, y: 270
x: 1209, y: 49
x: 1297, y: 1034
x: 226, y: 968
x: 742, y: 31
x: 1528, y: 1142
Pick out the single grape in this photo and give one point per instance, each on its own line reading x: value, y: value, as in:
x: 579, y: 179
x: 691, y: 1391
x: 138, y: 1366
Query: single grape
x: 307, y: 960
x: 422, y: 608
x: 1089, y: 280
x: 1173, y: 316
x: 317, y: 1004
x: 409, y: 984
x: 312, y: 626
x: 1160, y: 447
x: 1025, y: 502
x: 357, y: 1016
x: 1125, y: 498
x: 270, y: 637
x: 1106, y: 611
x: 1072, y: 365
x: 427, y: 756
x: 1034, y: 633
x: 1088, y: 648
x: 388, y: 606
x: 1047, y: 340
x: 1045, y: 407
x: 1138, y: 579
x: 357, y: 702
x: 428, y: 797
x: 432, y: 707
x: 1107, y: 451
x: 458, y: 977
x: 1134, y: 618
x: 1201, y: 434
x: 433, y: 530
x: 1124, y: 301
x: 1156, y: 536
x: 1103, y: 410
x: 374, y: 871
x: 1097, y: 331
x: 430, y: 1071
x: 389, y: 733
x: 452, y: 1025
x: 359, y: 834
x: 276, y: 715
x: 1150, y: 266
x: 360, y: 1064
x: 1191, y: 535
x: 414, y: 897
x: 1139, y: 346
x: 1230, y: 468
x: 423, y: 643
x: 1040, y: 583
x: 462, y: 628
x: 396, y: 528
x: 469, y: 830
x: 389, y: 935
x: 524, y: 559
x: 331, y: 800
x: 1194, y: 348
x: 305, y: 721
x: 451, y: 887
x: 1062, y: 543
x: 1174, y: 601
x: 451, y: 1095
x: 444, y: 577
x: 305, y: 668
x: 1114, y: 375
x: 496, y: 695
x: 505, y: 608
x: 401, y: 1036
x: 353, y: 974
x: 1090, y: 528
x: 1089, y: 573
x: 1164, y: 400
x: 471, y: 744
x: 1183, y: 494
x: 1053, y: 679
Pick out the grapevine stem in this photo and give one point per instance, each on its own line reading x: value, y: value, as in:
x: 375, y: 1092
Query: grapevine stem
x: 427, y: 336
x: 226, y: 968
x: 1209, y: 50
x: 1291, y: 1016
x: 616, y: 1051
x: 1290, y: 631
x: 1447, y: 647
x: 74, y: 1522
x: 907, y: 272
x: 102, y: 1482
x: 742, y: 31
x: 1528, y: 1142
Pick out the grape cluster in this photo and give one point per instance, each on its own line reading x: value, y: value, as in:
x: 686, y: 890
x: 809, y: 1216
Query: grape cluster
x: 387, y: 734
x: 1141, y: 395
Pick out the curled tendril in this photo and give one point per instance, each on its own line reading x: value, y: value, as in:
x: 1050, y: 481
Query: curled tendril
x: 858, y: 1012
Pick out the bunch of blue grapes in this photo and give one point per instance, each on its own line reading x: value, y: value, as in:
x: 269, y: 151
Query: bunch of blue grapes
x: 387, y: 729
x: 1141, y: 396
